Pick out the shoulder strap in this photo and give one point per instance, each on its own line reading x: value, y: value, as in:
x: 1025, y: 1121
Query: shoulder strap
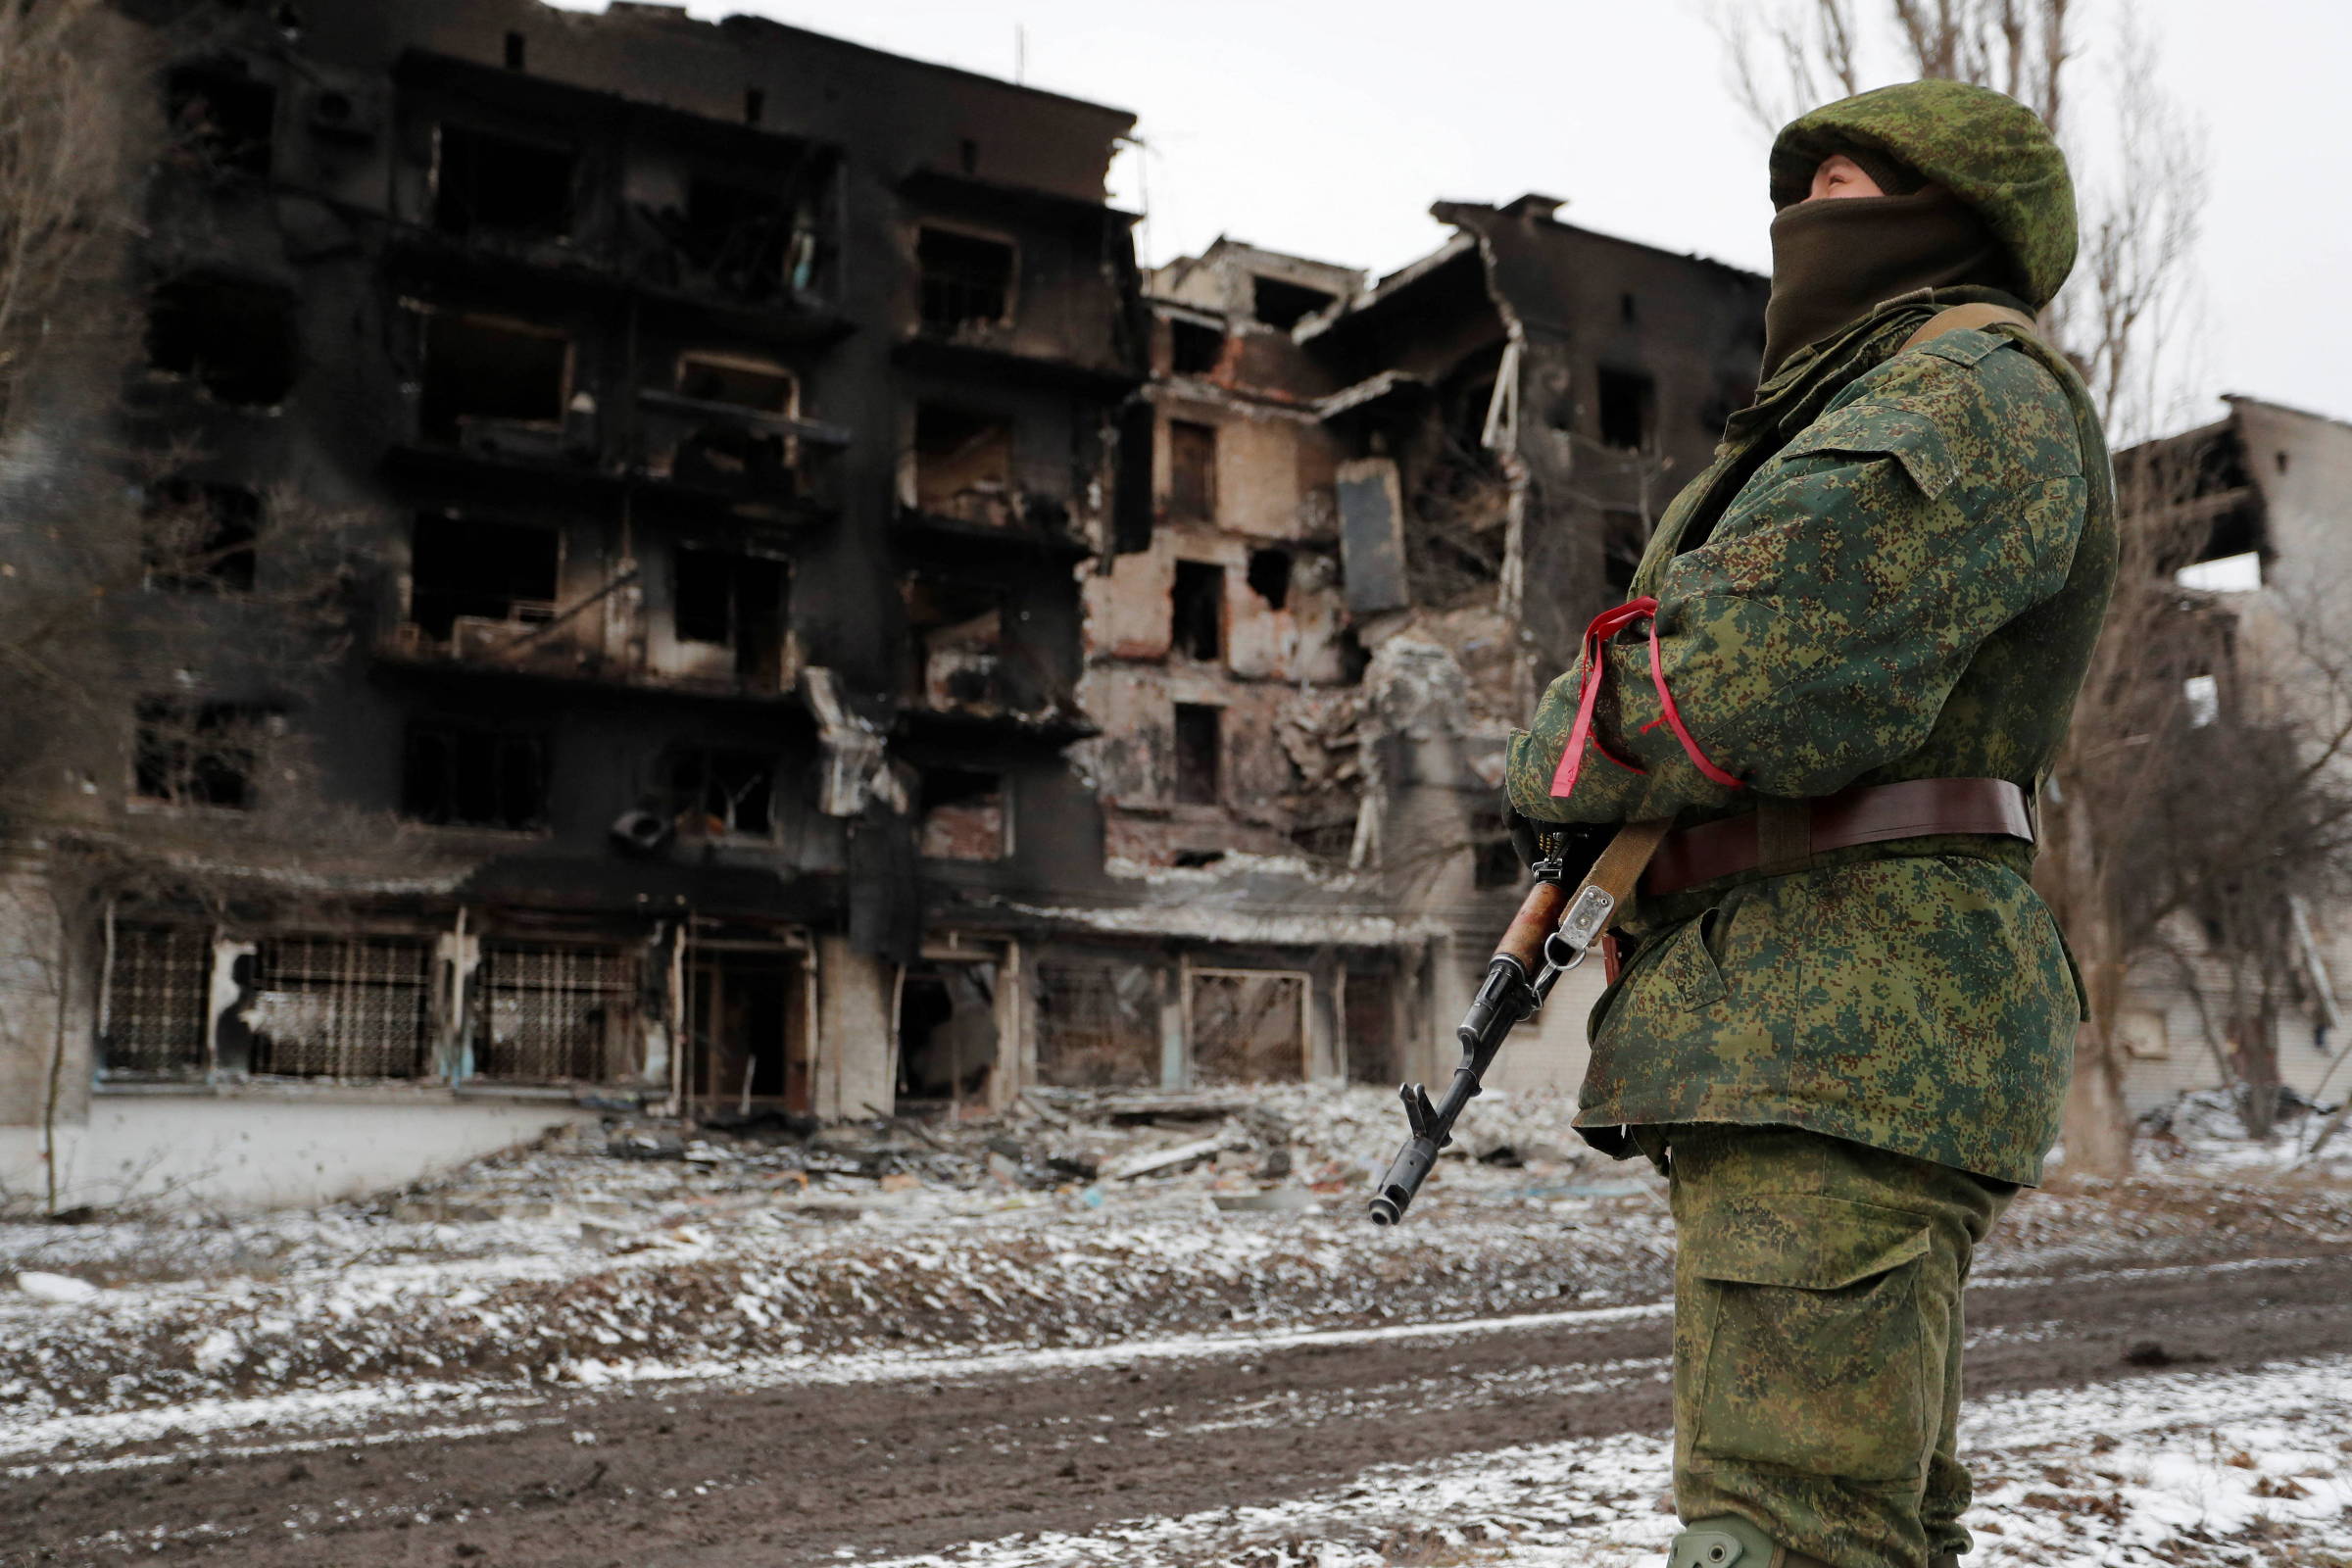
x: 1962, y: 317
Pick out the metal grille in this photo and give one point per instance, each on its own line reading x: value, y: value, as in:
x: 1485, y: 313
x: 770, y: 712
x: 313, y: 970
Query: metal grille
x: 1098, y: 1024
x: 552, y: 1013
x: 1248, y: 1026
x: 157, y: 997
x: 342, y: 1007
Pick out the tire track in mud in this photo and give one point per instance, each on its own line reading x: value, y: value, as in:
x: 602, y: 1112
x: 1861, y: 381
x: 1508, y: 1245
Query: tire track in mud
x: 925, y: 1457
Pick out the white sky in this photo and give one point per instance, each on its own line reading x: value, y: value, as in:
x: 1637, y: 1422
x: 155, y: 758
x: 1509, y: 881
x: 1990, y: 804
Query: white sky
x: 1327, y: 129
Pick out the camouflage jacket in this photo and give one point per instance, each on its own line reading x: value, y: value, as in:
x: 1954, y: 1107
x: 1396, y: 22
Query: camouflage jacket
x: 1910, y: 555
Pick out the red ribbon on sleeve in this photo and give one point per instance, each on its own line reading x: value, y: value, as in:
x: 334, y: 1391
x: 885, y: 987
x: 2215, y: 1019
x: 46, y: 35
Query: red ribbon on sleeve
x: 1603, y: 626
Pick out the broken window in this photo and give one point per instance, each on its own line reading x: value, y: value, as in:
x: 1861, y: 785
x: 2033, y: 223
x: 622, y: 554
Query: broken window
x: 964, y: 463
x: 958, y: 631
x: 487, y: 183
x: 1626, y: 398
x: 199, y: 752
x: 1191, y: 472
x: 947, y: 1031
x: 199, y: 537
x: 1197, y: 612
x: 221, y: 119
x: 1194, y: 349
x: 966, y: 280
x: 963, y: 815
x: 1248, y: 1026
x: 1198, y: 761
x: 1283, y: 306
x: 721, y: 794
x: 158, y: 999
x: 482, y: 570
x: 759, y: 385
x: 481, y: 373
x: 553, y: 1014
x: 341, y: 1007
x: 736, y: 602
x: 1096, y: 1023
x: 1494, y: 859
x: 1270, y: 577
x: 749, y: 243
x: 233, y: 337
x: 465, y: 775
x: 1624, y: 537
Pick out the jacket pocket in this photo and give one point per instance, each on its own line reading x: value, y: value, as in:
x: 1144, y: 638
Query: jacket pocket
x: 1811, y: 1347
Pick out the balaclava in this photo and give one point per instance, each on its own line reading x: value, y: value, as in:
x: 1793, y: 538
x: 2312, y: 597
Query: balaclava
x: 1977, y: 193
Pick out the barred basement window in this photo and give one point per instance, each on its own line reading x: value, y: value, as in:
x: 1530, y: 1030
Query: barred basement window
x: 158, y: 993
x: 550, y: 1014
x: 342, y: 1007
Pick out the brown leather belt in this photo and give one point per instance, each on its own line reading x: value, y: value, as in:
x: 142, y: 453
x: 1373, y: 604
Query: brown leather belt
x: 1780, y: 835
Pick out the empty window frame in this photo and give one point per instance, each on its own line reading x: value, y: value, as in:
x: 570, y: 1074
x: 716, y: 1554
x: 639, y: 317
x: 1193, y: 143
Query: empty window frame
x: 1199, y: 754
x: 468, y: 775
x: 330, y: 1006
x: 958, y: 628
x: 759, y: 386
x: 222, y: 120
x: 1248, y: 1026
x: 1627, y: 399
x: 158, y: 999
x: 480, y: 569
x: 966, y: 279
x: 734, y: 601
x: 749, y: 243
x: 1624, y: 537
x: 483, y: 368
x: 1197, y: 612
x: 723, y: 794
x: 1194, y: 349
x: 1283, y: 306
x: 199, y: 537
x: 1191, y: 472
x: 964, y: 815
x: 964, y: 463
x: 553, y: 1014
x: 1096, y: 1023
x: 1270, y: 577
x: 200, y: 752
x: 233, y: 337
x: 488, y: 183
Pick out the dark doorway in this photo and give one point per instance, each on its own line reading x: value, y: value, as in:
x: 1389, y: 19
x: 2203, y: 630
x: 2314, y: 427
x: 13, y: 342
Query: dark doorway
x: 746, y: 1029
x: 946, y: 1033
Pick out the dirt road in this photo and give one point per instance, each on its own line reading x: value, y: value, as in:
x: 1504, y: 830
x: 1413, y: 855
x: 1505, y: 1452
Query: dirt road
x: 924, y: 1460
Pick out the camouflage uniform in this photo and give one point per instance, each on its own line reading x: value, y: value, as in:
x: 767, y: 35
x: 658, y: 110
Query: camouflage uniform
x: 1906, y: 557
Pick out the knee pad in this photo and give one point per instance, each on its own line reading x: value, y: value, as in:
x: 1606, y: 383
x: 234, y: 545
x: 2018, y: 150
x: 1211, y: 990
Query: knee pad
x: 1727, y: 1541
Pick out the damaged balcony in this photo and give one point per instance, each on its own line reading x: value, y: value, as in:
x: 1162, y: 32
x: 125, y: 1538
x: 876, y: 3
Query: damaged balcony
x: 728, y: 430
x: 488, y: 595
x: 516, y: 177
x: 965, y: 492
x: 973, y: 663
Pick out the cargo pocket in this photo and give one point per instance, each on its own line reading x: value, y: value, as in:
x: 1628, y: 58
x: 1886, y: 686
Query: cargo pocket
x: 1813, y: 1354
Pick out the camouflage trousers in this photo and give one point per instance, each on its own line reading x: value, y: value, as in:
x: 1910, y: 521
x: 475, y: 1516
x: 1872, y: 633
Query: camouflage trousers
x: 1817, y: 1338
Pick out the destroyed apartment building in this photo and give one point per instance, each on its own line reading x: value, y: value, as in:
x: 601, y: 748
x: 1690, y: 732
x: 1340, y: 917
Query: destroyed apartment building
x: 823, y: 634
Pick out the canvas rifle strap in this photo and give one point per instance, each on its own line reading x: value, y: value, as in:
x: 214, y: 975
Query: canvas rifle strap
x: 1962, y: 317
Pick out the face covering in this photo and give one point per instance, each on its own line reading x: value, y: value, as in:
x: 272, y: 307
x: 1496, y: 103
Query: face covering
x: 1833, y: 260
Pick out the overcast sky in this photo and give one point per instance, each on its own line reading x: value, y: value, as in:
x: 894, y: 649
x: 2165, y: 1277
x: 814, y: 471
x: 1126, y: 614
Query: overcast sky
x: 1327, y: 129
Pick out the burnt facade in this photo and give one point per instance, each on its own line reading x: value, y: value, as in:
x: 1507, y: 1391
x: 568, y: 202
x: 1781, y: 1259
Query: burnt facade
x: 820, y: 631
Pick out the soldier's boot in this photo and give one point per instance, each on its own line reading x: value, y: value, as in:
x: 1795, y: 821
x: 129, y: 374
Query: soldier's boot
x: 1732, y: 1541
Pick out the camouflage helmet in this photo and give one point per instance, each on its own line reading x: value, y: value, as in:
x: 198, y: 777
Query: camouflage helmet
x: 1986, y: 148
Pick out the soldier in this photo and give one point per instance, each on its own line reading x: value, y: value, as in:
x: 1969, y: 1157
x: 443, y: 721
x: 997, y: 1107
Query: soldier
x: 1845, y: 1024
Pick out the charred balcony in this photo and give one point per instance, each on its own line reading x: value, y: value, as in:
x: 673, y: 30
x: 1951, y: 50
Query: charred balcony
x: 966, y: 492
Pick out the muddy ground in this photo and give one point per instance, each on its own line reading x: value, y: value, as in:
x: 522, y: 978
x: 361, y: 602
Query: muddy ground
x: 921, y: 1461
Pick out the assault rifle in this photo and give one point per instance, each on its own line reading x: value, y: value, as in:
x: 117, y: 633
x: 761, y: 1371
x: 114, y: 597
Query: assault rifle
x: 1563, y: 915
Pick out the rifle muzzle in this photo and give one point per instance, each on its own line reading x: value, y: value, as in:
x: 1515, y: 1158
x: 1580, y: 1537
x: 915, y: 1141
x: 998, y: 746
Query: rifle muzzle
x: 1406, y: 1172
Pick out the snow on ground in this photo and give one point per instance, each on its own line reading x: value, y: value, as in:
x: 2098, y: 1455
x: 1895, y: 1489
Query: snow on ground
x: 2172, y: 1470
x: 570, y: 1264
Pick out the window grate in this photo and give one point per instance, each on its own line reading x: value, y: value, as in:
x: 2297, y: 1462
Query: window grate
x: 157, y: 997
x: 1248, y: 1027
x: 1098, y: 1024
x: 547, y: 1014
x: 342, y: 1007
